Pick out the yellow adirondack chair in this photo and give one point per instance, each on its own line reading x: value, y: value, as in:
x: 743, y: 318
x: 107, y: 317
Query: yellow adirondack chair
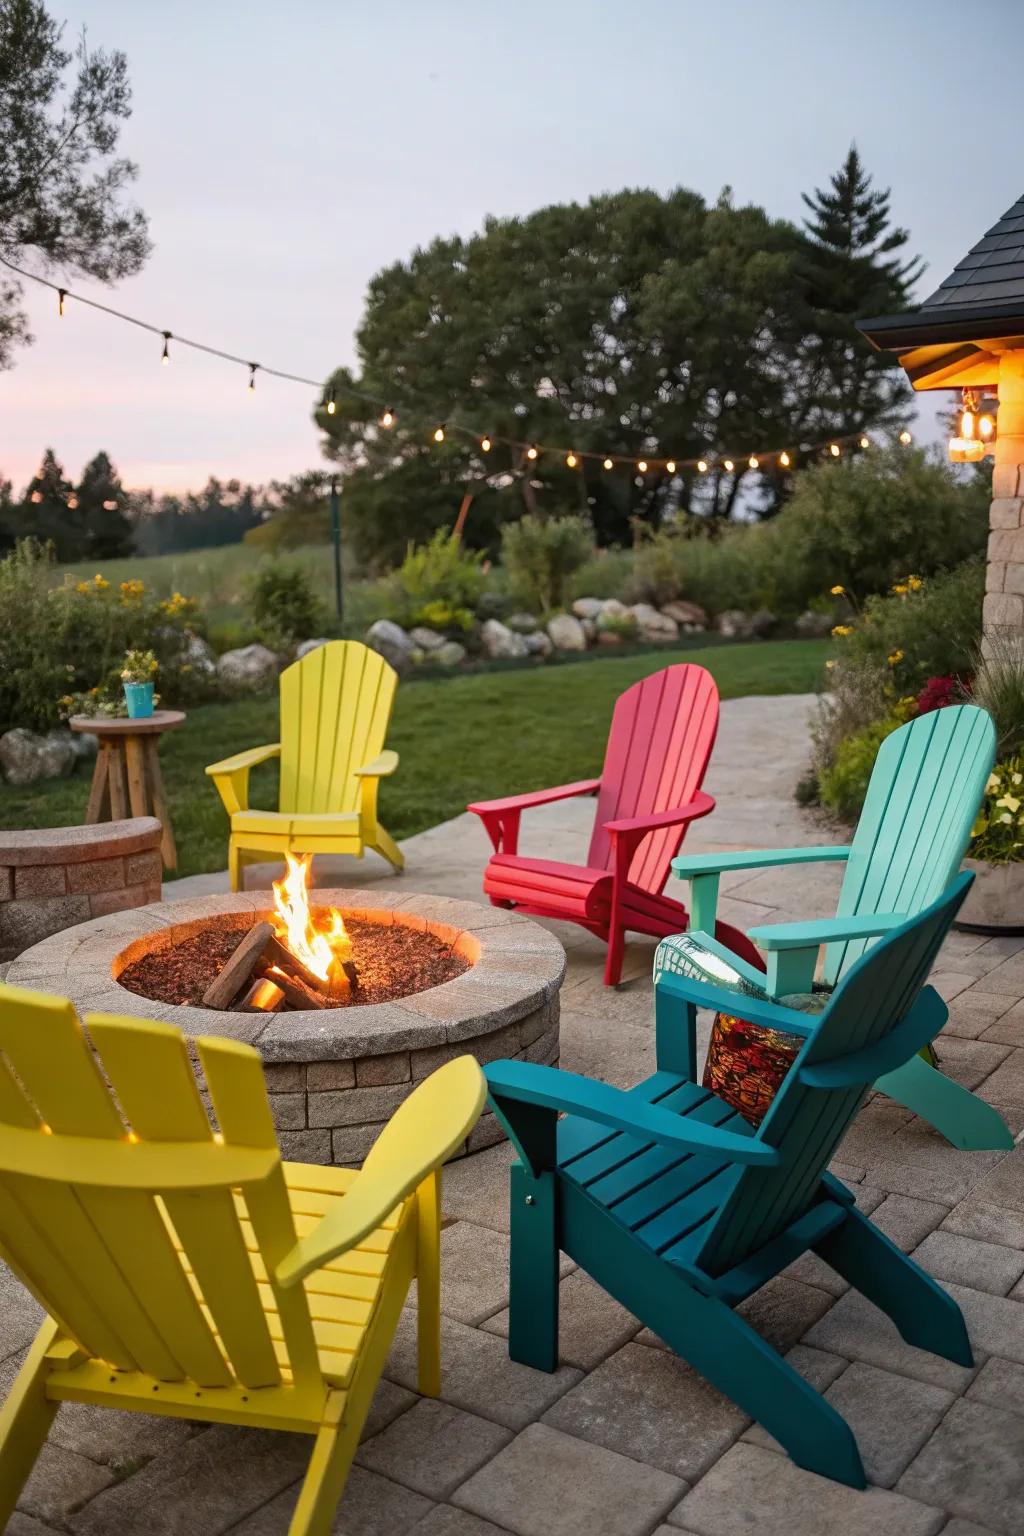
x: 196, y: 1274
x: 335, y: 707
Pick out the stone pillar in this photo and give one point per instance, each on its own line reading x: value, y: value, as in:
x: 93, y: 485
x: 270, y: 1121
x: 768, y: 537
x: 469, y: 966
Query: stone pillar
x: 1004, y: 582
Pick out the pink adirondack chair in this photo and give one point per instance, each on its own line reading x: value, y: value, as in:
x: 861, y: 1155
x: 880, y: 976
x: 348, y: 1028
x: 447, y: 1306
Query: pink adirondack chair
x: 663, y: 729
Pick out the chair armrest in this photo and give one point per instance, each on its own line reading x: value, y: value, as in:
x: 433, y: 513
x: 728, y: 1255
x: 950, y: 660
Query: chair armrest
x: 690, y: 864
x: 231, y: 775
x: 548, y: 1088
x: 501, y: 817
x: 701, y: 805
x: 383, y: 764
x: 245, y: 760
x: 792, y: 948
x: 366, y: 1206
x: 535, y: 797
x: 920, y: 1026
x: 698, y: 994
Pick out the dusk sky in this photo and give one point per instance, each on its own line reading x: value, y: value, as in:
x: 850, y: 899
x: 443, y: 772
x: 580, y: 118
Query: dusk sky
x: 287, y: 152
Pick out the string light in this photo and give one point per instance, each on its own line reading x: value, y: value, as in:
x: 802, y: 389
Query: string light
x: 784, y: 459
x: 752, y: 461
x: 332, y: 404
x: 532, y: 451
x: 642, y: 466
x: 728, y: 466
x: 608, y: 464
x: 165, y: 356
x: 388, y: 418
x: 72, y: 503
x: 702, y: 466
x: 865, y: 441
x: 252, y: 376
x: 670, y: 466
x: 62, y: 294
x: 485, y: 444
x: 834, y: 450
x: 571, y: 460
x: 439, y: 434
x: 905, y: 437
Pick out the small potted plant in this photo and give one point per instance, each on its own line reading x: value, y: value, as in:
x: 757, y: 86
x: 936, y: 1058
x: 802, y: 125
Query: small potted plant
x: 137, y: 676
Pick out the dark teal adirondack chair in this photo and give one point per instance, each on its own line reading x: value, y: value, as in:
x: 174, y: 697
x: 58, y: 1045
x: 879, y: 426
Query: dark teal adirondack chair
x: 679, y: 1209
x: 925, y: 791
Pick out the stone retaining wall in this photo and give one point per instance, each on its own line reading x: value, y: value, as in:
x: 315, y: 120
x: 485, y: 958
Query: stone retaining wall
x: 54, y: 877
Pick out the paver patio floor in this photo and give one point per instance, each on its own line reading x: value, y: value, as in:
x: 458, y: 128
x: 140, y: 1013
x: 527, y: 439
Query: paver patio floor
x: 625, y: 1439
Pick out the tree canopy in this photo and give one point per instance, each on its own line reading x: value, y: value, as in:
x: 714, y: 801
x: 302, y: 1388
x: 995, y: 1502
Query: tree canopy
x: 635, y: 324
x: 62, y: 184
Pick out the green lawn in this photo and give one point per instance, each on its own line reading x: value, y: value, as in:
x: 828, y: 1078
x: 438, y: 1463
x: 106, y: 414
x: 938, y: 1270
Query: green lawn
x: 460, y: 739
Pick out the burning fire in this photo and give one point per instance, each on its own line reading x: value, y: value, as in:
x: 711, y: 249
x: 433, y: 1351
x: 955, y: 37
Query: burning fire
x: 320, y: 942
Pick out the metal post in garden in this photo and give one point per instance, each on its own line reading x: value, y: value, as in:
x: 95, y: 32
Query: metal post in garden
x: 336, y: 539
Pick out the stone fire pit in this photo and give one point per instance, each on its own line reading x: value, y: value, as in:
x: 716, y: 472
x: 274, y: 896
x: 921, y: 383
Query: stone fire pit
x: 336, y: 1075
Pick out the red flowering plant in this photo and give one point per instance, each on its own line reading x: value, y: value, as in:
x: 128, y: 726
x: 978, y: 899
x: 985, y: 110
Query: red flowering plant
x: 940, y: 692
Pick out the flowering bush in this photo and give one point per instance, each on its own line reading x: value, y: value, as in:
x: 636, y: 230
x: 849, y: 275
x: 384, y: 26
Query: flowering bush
x: 998, y: 834
x: 139, y: 667
x: 939, y: 693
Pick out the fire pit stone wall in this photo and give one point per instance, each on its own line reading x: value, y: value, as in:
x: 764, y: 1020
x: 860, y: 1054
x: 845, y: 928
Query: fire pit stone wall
x: 335, y: 1076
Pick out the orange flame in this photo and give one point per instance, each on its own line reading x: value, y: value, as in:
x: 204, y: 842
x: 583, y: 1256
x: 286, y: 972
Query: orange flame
x: 320, y: 941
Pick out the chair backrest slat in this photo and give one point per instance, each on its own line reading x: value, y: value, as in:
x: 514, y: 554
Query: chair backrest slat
x: 925, y: 790
x: 807, y: 1123
x: 335, y: 707
x: 662, y: 732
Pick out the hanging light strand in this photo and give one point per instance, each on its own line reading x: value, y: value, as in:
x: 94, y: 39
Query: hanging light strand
x: 764, y: 460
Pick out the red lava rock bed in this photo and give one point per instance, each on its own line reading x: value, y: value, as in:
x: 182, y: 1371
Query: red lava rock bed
x: 393, y: 961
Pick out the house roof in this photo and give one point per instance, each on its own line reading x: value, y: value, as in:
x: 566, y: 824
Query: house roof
x: 954, y: 338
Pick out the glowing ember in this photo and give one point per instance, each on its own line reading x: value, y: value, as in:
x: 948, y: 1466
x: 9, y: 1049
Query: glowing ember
x: 319, y: 940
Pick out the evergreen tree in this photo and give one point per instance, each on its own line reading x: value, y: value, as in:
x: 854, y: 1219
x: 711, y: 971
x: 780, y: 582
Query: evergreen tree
x: 854, y: 264
x: 49, y: 511
x: 102, y: 501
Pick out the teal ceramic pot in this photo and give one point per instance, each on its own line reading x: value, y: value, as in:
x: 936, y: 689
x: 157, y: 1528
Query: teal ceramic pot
x: 139, y: 699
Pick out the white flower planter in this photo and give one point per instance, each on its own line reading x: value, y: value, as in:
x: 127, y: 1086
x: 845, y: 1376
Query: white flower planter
x: 995, y: 902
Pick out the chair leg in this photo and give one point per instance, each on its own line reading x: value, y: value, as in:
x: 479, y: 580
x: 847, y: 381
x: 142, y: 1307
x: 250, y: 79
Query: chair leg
x: 333, y: 1451
x: 25, y: 1422
x: 428, y: 1285
x: 964, y: 1119
x: 533, y: 1279
x: 236, y: 869
x: 925, y: 1314
x: 384, y: 844
x: 613, y: 959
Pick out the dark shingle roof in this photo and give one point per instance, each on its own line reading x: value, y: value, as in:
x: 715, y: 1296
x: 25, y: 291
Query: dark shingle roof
x: 992, y: 272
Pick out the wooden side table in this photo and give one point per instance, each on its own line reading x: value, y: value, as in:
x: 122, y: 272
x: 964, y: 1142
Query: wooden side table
x: 127, y: 778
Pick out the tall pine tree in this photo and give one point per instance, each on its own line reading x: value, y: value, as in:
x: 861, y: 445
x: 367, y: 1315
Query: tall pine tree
x: 854, y: 264
x: 102, y: 501
x: 49, y: 513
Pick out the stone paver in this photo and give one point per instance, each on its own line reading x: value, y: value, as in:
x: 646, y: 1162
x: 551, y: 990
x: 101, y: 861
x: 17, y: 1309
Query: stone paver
x: 550, y: 1484
x: 625, y: 1439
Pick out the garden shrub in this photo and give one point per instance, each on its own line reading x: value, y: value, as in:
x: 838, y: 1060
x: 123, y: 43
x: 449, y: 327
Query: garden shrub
x: 733, y: 570
x: 998, y: 833
x: 541, y: 554
x: 283, y: 605
x: 921, y: 629
x: 607, y: 573
x: 57, y: 642
x: 998, y: 686
x: 843, y: 784
x: 438, y: 584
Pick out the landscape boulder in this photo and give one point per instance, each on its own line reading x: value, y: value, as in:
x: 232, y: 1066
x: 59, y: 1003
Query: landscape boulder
x: 249, y: 667
x: 814, y: 626
x: 587, y: 607
x: 500, y: 642
x: 617, y: 620
x: 733, y: 624
x: 451, y: 654
x: 392, y: 642
x: 426, y: 639
x: 522, y: 623
x: 538, y: 643
x: 305, y: 646
x: 611, y: 608
x: 199, y: 654
x: 654, y: 627
x: 762, y: 623
x: 689, y: 616
x: 567, y: 633
x: 26, y: 757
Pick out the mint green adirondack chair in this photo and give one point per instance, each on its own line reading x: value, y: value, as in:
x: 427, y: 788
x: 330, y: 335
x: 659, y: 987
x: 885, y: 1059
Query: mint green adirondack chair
x: 925, y: 791
x: 680, y: 1210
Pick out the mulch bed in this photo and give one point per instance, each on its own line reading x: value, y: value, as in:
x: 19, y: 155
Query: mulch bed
x: 393, y: 961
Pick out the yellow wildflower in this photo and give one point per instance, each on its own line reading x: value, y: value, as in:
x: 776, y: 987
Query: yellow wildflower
x: 841, y: 629
x: 994, y: 783
x: 131, y: 590
x: 1006, y: 818
x: 894, y: 658
x: 838, y: 591
x: 1010, y: 802
x: 84, y: 586
x: 100, y: 582
x: 829, y: 665
x: 1017, y: 778
x: 900, y: 589
x: 915, y: 583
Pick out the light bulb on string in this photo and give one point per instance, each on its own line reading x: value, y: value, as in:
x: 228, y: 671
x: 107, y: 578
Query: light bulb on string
x: 752, y: 461
x: 252, y: 377
x: 641, y: 465
x: 62, y: 294
x: 670, y: 466
x: 865, y: 441
x: 532, y: 451
x: 833, y: 449
x: 165, y: 356
x: 728, y: 466
x: 571, y: 460
x: 702, y: 466
x: 332, y: 404
x: 784, y: 459
x: 485, y: 444
x: 608, y: 464
x: 388, y: 418
x: 439, y: 433
x: 905, y: 437
x: 73, y: 502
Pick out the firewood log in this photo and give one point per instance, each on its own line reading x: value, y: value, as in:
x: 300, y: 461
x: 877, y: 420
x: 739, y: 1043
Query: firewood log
x: 238, y: 968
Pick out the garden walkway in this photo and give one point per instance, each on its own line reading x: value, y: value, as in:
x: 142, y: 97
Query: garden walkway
x: 624, y: 1439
